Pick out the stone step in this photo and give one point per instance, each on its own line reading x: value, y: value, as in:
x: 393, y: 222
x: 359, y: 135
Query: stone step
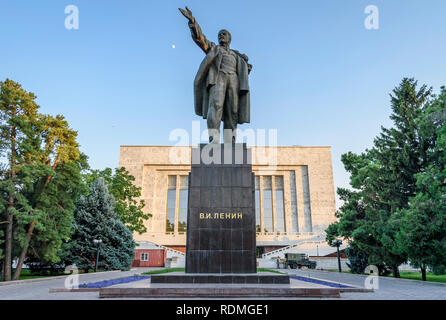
x: 221, y: 278
x: 232, y: 292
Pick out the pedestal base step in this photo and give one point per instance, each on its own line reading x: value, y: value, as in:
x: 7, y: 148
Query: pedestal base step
x: 221, y: 278
x: 218, y: 292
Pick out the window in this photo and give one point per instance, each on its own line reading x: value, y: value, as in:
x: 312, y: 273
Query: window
x: 259, y: 251
x: 280, y: 215
x: 257, y: 200
x: 267, y: 205
x: 144, y: 257
x: 177, y: 208
x: 182, y: 214
x: 307, y: 200
x: 171, y: 203
x: 294, y: 219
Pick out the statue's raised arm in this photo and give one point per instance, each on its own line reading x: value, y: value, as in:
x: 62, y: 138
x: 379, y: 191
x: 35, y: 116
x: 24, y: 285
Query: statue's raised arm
x: 197, y: 34
x: 221, y: 86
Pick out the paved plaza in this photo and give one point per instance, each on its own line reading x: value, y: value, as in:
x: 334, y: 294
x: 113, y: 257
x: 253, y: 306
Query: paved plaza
x: 39, y: 290
x: 389, y: 288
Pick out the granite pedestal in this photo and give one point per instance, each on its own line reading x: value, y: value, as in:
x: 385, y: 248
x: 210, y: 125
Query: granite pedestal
x: 221, y: 213
x: 221, y: 235
x: 222, y: 278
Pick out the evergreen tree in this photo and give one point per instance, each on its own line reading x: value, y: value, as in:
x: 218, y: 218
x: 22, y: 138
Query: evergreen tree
x: 2, y: 234
x: 358, y: 260
x: 423, y: 231
x: 383, y: 180
x: 39, y: 180
x: 400, y: 153
x: 95, y: 218
x: 128, y: 205
x: 18, y: 140
x: 1, y: 252
x: 52, y: 188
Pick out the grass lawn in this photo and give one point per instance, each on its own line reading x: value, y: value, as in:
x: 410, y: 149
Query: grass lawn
x: 26, y: 275
x: 413, y: 275
x: 269, y: 270
x: 183, y: 270
x: 331, y: 270
x: 166, y: 271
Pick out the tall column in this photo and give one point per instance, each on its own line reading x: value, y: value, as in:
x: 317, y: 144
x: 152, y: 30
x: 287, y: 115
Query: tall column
x: 262, y: 218
x: 273, y: 200
x: 300, y: 201
x: 287, y: 202
x: 294, y: 222
x: 307, y: 199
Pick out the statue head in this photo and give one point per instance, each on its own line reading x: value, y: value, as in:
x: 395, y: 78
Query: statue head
x: 224, y: 37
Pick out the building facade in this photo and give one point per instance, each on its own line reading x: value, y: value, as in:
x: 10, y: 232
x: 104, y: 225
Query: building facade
x: 294, y: 195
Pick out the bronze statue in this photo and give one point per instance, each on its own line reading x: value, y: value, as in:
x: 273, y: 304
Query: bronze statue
x: 221, y: 88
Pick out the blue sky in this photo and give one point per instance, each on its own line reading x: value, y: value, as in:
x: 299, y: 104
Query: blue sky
x: 319, y: 77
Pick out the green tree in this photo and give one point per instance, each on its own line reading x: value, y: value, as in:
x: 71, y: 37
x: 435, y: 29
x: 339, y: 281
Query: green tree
x: 95, y: 218
x: 54, y: 184
x: 383, y: 180
x: 40, y: 180
x: 2, y: 234
x: 400, y: 153
x: 1, y: 251
x: 18, y: 140
x: 358, y: 260
x: 423, y: 231
x: 361, y: 217
x: 127, y: 196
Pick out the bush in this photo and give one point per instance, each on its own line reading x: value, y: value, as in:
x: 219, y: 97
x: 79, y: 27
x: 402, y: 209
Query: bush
x: 95, y: 218
x: 37, y: 267
x: 358, y: 260
x: 439, y: 270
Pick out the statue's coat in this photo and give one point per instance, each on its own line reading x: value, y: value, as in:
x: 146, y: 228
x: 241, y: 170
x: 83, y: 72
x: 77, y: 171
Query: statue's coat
x: 206, y: 78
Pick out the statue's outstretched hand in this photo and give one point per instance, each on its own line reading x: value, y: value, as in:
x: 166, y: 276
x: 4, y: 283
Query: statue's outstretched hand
x: 187, y: 13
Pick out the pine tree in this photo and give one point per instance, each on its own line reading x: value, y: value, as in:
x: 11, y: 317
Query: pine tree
x: 53, y: 185
x: 358, y: 260
x: 383, y: 179
x: 39, y: 180
x: 128, y: 205
x: 18, y: 140
x: 95, y: 218
x: 400, y: 153
x: 423, y: 231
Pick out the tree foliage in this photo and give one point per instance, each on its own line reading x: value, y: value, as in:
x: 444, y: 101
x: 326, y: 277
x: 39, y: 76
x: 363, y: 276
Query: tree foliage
x: 40, y: 179
x: 19, y: 122
x: 96, y: 219
x: 358, y: 260
x: 128, y: 205
x: 384, y: 180
x: 423, y: 229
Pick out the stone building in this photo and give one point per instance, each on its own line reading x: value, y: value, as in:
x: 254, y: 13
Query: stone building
x: 294, y: 193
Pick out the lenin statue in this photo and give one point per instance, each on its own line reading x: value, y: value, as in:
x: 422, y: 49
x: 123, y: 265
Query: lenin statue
x: 221, y: 88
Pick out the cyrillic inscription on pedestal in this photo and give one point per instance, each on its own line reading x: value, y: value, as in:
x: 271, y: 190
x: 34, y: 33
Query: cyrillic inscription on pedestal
x: 221, y: 215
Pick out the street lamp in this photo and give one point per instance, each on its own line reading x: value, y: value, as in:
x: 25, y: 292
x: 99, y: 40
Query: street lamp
x: 337, y: 243
x: 98, y: 244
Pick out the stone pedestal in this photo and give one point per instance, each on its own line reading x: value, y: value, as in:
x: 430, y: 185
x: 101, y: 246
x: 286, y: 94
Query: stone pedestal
x: 221, y: 235
x: 222, y: 278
